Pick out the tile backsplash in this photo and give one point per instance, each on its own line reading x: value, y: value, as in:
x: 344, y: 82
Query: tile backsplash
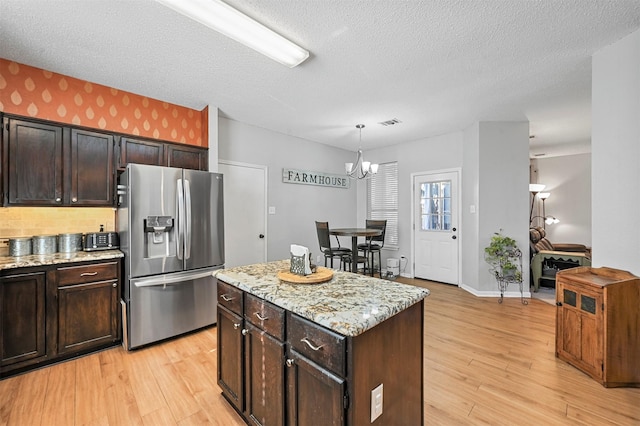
x: 30, y: 221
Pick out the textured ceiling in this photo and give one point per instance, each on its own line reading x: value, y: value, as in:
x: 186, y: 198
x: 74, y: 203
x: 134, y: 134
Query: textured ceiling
x: 437, y: 66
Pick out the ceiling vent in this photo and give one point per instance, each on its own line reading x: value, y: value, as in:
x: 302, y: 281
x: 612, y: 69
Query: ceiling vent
x: 391, y: 122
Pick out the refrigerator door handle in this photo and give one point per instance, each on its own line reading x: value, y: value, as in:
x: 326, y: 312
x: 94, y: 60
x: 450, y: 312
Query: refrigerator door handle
x: 180, y: 214
x: 187, y: 219
x: 167, y: 280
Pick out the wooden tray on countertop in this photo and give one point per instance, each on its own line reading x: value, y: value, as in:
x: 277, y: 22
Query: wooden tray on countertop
x: 320, y: 276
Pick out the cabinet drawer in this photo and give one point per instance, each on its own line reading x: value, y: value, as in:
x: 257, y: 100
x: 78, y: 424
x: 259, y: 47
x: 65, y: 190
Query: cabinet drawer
x: 317, y: 343
x: 230, y: 297
x: 265, y: 315
x: 87, y: 273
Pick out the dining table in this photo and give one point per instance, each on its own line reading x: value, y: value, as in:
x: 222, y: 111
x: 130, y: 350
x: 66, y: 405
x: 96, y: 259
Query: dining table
x: 354, y: 233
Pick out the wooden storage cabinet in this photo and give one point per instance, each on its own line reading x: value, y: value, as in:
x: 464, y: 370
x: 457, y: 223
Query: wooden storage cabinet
x: 87, y: 306
x: 46, y: 164
x: 157, y: 153
x: 229, y: 329
x: 141, y: 152
x: 251, y: 372
x: 91, y: 176
x: 598, y: 324
x: 50, y: 313
x: 22, y: 319
x: 187, y: 157
x: 316, y: 373
x: 32, y: 155
x: 264, y: 361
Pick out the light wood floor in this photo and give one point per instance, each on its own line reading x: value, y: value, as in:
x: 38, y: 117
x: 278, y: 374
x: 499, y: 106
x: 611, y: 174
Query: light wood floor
x: 485, y: 363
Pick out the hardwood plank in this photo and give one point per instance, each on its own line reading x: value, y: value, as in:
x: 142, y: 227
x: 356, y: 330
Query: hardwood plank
x: 118, y: 393
x: 148, y: 395
x: 8, y: 390
x: 59, y: 400
x: 89, y: 395
x: 29, y: 399
x: 160, y: 417
x: 484, y: 363
x: 176, y: 392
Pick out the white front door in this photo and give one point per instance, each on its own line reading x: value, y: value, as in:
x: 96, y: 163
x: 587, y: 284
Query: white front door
x: 435, y: 231
x: 245, y: 219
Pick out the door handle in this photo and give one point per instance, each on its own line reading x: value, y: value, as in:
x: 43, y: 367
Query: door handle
x: 261, y: 236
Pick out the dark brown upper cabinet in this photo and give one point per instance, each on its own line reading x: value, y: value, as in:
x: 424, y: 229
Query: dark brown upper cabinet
x: 32, y: 154
x: 46, y: 164
x: 141, y: 152
x: 91, y: 174
x: 187, y: 157
x: 156, y: 153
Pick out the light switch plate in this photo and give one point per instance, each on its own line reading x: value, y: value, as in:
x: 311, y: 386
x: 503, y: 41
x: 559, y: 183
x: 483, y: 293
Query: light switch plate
x: 272, y: 210
x: 376, y: 403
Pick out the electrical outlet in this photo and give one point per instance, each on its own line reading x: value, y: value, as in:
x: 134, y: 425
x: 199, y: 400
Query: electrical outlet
x: 376, y: 403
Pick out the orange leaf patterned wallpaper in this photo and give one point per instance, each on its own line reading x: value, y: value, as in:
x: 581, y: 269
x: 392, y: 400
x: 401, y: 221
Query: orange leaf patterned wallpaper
x: 33, y: 92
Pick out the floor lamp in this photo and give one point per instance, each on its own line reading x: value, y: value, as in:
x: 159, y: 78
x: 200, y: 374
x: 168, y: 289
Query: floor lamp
x: 534, y: 188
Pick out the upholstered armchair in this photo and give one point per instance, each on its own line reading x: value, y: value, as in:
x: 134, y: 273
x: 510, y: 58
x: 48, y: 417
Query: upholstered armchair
x: 548, y: 258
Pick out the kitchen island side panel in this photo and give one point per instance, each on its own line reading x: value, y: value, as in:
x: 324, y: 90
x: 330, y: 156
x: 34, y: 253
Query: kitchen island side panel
x: 390, y: 354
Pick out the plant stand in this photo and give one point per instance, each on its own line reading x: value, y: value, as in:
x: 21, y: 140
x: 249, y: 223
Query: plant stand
x: 506, y: 277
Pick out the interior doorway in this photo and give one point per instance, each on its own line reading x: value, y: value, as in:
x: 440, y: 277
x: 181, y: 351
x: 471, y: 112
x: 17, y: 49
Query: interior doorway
x: 245, y: 213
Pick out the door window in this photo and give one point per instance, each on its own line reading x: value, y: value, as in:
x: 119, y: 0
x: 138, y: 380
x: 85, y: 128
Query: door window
x: 435, y: 206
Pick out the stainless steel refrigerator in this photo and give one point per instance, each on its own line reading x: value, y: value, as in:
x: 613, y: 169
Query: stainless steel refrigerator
x: 171, y: 227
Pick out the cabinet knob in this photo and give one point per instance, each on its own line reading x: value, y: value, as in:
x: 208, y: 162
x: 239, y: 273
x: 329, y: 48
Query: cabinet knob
x: 236, y: 326
x: 74, y: 200
x: 114, y: 285
x: 558, y: 303
x: 58, y: 199
x: 245, y: 331
x: 289, y: 362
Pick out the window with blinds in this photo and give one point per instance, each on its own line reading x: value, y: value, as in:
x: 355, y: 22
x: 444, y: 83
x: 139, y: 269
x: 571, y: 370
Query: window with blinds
x: 382, y: 200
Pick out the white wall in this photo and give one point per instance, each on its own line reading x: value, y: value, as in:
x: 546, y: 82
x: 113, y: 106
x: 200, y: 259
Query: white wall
x: 615, y: 144
x: 441, y: 152
x: 297, y: 206
x: 503, y: 196
x: 568, y: 179
x: 494, y: 180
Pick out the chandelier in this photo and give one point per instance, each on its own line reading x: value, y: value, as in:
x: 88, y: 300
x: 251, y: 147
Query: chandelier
x: 360, y: 169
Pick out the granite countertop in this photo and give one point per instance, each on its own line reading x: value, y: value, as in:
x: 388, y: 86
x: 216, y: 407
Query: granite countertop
x: 348, y: 304
x: 9, y: 262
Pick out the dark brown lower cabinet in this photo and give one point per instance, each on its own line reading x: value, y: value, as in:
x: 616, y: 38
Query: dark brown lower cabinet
x: 22, y: 319
x: 315, y: 395
x: 87, y: 315
x: 231, y: 361
x: 53, y: 312
x: 264, y: 374
x: 277, y: 368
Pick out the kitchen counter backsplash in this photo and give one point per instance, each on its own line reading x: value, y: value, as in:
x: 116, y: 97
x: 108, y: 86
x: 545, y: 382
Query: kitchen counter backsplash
x: 7, y: 262
x: 30, y: 221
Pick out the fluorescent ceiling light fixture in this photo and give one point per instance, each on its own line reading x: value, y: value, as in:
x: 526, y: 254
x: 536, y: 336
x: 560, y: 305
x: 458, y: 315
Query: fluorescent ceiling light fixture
x: 225, y: 19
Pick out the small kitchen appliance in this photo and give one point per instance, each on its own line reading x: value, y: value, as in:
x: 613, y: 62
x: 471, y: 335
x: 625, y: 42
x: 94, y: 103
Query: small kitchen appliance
x: 101, y: 241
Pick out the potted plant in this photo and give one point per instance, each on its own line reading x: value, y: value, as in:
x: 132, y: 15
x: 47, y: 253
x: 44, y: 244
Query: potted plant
x: 503, y: 256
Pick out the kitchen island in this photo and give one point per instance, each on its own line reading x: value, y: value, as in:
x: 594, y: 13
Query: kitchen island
x: 345, y: 351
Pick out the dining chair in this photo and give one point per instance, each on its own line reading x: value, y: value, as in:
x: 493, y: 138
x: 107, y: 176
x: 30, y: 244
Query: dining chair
x: 374, y: 244
x: 324, y: 239
x: 346, y: 263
